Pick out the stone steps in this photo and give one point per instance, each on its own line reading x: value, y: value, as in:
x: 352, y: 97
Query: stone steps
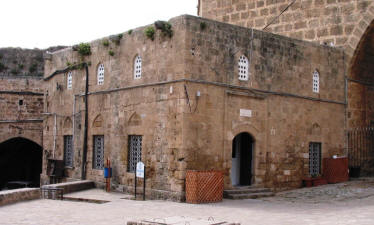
x: 247, y: 193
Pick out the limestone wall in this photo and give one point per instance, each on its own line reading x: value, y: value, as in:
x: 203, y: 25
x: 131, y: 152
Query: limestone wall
x: 286, y: 114
x: 126, y: 107
x: 21, y: 107
x: 341, y: 23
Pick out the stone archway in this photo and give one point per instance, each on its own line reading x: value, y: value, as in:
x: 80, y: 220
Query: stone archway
x: 20, y: 162
x: 361, y: 82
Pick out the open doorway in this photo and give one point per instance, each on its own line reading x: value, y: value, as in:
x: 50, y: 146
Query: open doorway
x: 20, y: 163
x: 242, y: 159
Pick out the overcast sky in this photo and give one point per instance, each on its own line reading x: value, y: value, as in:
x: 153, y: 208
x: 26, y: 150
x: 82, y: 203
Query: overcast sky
x: 45, y: 23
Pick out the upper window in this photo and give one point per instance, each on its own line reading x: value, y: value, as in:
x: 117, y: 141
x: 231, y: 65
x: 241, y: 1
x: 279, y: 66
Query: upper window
x: 98, y: 152
x: 243, y: 68
x: 68, y: 150
x: 138, y: 67
x: 100, y: 74
x: 70, y: 80
x: 316, y: 81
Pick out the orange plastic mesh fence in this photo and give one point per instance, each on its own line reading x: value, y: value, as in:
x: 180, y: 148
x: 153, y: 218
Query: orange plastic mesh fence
x: 204, y: 186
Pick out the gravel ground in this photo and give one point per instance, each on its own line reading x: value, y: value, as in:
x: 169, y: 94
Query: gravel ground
x: 346, y: 203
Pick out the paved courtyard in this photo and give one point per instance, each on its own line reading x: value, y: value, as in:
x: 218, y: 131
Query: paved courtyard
x: 346, y: 203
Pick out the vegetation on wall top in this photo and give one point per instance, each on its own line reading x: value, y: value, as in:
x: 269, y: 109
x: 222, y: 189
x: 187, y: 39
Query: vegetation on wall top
x: 83, y: 49
x: 150, y: 32
x: 105, y: 43
x: 165, y: 28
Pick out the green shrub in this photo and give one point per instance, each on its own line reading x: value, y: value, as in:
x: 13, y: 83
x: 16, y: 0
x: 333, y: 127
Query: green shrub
x: 84, y: 49
x: 202, y: 26
x: 166, y: 30
x: 14, y: 71
x: 106, y: 43
x: 3, y: 67
x: 150, y: 32
x: 129, y: 32
x: 33, y: 68
x: 111, y: 53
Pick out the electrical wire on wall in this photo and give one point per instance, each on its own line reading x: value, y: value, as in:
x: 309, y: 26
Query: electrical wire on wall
x: 277, y: 17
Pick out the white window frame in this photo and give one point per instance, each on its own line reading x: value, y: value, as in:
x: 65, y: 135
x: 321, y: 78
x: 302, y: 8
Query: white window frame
x: 315, y: 81
x: 100, y: 74
x: 137, y: 67
x: 243, y: 68
x: 69, y: 80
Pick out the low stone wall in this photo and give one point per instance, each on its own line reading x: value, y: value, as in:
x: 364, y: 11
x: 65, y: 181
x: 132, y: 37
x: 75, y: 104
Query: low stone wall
x: 13, y: 196
x: 72, y: 186
x: 17, y: 195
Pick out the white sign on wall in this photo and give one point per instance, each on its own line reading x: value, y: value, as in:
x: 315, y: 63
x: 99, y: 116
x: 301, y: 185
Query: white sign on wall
x: 246, y: 112
x: 140, y: 169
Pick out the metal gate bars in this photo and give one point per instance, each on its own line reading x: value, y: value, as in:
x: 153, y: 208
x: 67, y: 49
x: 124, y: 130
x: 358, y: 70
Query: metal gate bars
x: 361, y: 151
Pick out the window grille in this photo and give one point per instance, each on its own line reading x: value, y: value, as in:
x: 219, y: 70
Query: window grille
x: 314, y: 159
x: 100, y: 74
x: 98, y: 153
x: 243, y: 68
x: 70, y: 80
x: 68, y: 150
x: 138, y: 67
x: 316, y: 81
x: 135, y: 152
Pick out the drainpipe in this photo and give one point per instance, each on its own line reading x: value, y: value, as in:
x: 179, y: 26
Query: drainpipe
x: 84, y: 156
x: 73, y: 134
x: 54, y: 136
x: 345, y: 106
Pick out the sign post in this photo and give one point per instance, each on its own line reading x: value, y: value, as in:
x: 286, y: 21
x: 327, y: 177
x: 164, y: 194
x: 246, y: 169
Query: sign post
x: 140, y: 172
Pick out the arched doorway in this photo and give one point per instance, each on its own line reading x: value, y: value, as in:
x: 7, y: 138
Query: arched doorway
x: 20, y: 163
x: 360, y: 114
x: 242, y: 159
x: 361, y: 82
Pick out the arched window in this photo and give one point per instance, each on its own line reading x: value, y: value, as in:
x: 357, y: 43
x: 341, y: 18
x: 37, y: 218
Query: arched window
x: 100, y: 74
x: 70, y: 80
x: 138, y: 67
x: 243, y: 68
x: 316, y: 81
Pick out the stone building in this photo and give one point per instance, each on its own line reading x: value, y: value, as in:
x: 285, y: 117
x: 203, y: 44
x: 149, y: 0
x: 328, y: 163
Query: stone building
x: 197, y: 100
x: 21, y: 107
x: 263, y: 99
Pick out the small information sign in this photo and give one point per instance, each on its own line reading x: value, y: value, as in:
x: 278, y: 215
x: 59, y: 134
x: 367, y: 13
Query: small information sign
x: 140, y: 169
x: 246, y: 112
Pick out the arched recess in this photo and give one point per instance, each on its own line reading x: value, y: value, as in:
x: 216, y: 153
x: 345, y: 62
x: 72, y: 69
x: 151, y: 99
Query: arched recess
x: 135, y: 120
x: 98, y: 121
x: 361, y: 81
x: 68, y: 123
x: 20, y: 161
